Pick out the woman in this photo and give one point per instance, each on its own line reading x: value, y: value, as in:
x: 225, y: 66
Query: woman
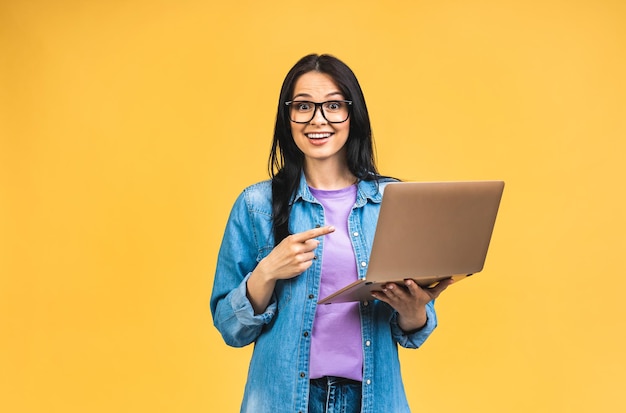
x: 308, y: 231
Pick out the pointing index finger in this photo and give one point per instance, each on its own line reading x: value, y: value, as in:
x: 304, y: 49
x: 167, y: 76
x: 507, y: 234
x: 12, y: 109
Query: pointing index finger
x: 313, y: 233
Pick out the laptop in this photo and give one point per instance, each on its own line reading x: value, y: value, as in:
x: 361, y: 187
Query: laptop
x: 428, y: 231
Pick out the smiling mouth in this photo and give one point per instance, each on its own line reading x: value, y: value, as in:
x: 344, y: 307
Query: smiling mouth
x: 318, y: 135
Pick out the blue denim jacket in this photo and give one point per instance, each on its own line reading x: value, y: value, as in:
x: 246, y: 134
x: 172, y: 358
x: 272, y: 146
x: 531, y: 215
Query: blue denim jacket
x: 278, y: 376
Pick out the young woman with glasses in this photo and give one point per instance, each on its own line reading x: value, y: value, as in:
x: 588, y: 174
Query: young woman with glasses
x: 302, y: 235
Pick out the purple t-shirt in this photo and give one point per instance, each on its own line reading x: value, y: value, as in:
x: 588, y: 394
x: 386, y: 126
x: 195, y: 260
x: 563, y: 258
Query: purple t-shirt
x: 336, y: 348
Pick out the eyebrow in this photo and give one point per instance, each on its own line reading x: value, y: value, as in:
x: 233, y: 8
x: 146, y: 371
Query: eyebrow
x: 306, y: 95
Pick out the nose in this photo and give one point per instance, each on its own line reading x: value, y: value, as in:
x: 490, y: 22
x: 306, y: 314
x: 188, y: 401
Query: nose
x: 318, y: 116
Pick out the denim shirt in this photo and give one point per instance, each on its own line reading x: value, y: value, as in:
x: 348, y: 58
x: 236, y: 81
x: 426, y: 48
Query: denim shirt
x: 278, y: 376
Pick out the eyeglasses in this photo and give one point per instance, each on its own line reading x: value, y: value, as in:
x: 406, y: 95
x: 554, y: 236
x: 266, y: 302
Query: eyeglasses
x: 334, y: 111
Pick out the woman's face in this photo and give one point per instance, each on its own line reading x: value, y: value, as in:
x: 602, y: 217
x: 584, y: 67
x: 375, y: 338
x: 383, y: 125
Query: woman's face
x: 318, y: 139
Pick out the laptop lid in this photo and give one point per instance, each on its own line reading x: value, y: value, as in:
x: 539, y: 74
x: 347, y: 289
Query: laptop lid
x: 428, y: 231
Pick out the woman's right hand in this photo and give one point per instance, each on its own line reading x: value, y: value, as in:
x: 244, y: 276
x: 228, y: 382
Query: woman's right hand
x: 291, y: 257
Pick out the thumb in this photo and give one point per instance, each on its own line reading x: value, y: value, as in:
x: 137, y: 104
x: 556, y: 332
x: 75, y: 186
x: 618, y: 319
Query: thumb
x: 440, y: 287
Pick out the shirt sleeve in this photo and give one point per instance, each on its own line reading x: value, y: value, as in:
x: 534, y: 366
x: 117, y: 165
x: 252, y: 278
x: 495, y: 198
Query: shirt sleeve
x: 233, y: 315
x: 415, y: 339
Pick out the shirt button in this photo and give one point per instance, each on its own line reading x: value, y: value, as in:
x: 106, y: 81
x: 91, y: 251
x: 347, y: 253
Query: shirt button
x: 368, y: 381
x: 317, y: 225
x: 302, y: 375
x: 306, y: 334
x: 311, y: 296
x: 368, y: 343
x: 356, y: 234
x: 363, y: 263
x: 366, y: 303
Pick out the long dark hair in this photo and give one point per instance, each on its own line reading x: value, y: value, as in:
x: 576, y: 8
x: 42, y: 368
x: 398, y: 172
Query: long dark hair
x: 286, y: 160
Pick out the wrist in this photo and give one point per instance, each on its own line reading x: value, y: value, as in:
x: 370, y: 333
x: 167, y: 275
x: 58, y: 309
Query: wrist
x: 263, y: 276
x: 413, y: 324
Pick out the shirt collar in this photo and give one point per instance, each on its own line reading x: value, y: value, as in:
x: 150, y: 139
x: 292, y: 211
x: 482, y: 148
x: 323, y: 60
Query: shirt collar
x: 366, y: 190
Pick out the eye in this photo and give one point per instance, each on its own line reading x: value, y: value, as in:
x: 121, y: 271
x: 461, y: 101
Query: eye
x: 302, y: 106
x: 333, y: 106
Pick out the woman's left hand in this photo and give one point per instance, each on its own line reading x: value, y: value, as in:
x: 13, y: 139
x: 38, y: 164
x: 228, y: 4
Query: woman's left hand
x: 410, y: 301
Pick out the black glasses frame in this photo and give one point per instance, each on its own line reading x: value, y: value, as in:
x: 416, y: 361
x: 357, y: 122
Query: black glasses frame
x: 321, y: 108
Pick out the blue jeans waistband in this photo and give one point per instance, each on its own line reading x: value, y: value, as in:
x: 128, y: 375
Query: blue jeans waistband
x: 331, y: 394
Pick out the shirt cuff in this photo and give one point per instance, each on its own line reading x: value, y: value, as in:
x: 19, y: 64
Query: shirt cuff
x: 415, y: 338
x: 242, y: 307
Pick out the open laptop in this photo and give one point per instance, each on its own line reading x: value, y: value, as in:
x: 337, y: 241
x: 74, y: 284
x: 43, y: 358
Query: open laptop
x: 428, y: 231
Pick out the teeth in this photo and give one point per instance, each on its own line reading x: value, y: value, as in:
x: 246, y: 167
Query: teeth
x: 318, y: 135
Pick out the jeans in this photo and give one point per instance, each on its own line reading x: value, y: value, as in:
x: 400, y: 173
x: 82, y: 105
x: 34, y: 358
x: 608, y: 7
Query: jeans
x: 334, y: 395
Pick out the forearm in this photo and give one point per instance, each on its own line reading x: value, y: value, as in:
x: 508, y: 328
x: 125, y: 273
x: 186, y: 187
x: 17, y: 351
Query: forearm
x: 260, y: 287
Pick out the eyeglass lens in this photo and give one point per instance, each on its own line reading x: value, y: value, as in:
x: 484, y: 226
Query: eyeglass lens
x: 333, y: 111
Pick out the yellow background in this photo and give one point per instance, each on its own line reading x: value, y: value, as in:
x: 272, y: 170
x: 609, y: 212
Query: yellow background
x: 128, y: 127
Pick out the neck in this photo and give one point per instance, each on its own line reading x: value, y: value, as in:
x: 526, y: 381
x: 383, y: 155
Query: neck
x: 328, y: 176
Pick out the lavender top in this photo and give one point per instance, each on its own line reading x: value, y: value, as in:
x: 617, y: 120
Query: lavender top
x: 336, y: 348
